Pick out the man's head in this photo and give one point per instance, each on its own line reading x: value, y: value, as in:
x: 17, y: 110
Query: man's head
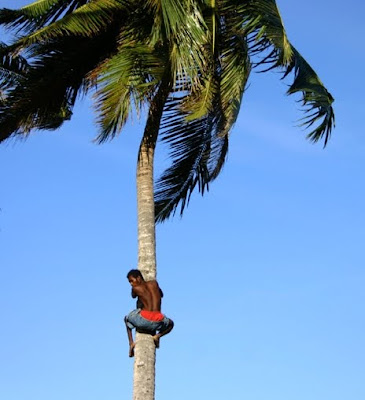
x: 135, y: 277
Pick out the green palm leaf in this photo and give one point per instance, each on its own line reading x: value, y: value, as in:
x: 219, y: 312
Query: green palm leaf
x: 87, y: 20
x: 234, y: 65
x: 38, y: 14
x: 198, y: 152
x: 196, y: 126
x: 126, y: 80
x: 317, y: 101
x: 267, y: 37
x: 264, y: 27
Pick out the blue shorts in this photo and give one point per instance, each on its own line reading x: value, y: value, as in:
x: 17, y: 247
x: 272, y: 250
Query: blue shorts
x: 135, y: 320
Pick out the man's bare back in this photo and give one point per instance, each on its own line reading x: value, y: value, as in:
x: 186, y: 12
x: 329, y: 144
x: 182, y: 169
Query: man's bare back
x: 148, y: 293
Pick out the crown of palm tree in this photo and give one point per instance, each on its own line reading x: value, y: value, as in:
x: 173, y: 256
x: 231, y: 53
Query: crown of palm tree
x: 121, y: 50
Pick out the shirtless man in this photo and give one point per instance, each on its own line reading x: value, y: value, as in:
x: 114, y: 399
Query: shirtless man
x: 148, y: 317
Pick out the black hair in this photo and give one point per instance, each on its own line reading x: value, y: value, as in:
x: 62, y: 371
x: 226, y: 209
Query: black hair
x: 135, y: 273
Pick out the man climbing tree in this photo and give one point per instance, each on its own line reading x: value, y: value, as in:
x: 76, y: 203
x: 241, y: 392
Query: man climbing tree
x: 147, y: 318
x: 186, y: 62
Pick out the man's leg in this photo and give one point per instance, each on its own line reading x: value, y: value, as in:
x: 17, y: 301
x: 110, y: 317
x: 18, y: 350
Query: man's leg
x: 157, y: 337
x: 130, y: 338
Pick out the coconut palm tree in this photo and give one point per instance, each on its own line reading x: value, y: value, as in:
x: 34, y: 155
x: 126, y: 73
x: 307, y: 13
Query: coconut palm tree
x: 187, y: 62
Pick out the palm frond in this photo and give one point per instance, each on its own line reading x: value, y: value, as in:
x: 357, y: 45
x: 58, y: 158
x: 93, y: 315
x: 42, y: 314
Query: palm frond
x: 174, y: 15
x: 234, y: 65
x: 317, y: 101
x: 196, y: 125
x: 126, y: 80
x: 187, y: 37
x: 12, y: 68
x: 37, y: 14
x: 198, y: 103
x: 45, y: 96
x: 198, y: 152
x: 267, y: 16
x: 260, y: 22
x: 88, y: 20
x: 267, y: 37
x: 18, y: 116
x: 32, y: 105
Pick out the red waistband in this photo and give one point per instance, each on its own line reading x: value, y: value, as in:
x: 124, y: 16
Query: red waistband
x: 152, y: 315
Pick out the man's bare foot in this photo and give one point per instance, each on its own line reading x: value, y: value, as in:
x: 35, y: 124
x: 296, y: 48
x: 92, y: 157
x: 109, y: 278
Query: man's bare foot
x: 156, y: 339
x: 131, y: 350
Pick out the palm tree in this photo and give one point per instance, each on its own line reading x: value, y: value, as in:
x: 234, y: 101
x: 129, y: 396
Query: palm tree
x: 187, y: 61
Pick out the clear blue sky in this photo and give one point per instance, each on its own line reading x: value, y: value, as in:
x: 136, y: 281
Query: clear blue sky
x: 264, y: 276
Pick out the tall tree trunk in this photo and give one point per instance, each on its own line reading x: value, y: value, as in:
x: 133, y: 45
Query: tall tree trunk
x: 145, y: 353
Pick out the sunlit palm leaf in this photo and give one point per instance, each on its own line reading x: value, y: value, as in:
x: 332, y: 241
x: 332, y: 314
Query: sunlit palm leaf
x: 88, y: 20
x: 186, y: 36
x: 38, y: 14
x: 264, y: 26
x: 235, y: 66
x: 128, y: 79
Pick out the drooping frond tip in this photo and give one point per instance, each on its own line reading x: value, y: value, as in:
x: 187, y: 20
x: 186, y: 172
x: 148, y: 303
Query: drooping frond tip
x: 316, y: 100
x: 268, y: 40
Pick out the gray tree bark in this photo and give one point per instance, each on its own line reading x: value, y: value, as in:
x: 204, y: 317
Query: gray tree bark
x: 145, y: 352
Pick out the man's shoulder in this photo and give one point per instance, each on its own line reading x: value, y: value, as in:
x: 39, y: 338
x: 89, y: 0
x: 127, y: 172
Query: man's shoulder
x: 139, y: 289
